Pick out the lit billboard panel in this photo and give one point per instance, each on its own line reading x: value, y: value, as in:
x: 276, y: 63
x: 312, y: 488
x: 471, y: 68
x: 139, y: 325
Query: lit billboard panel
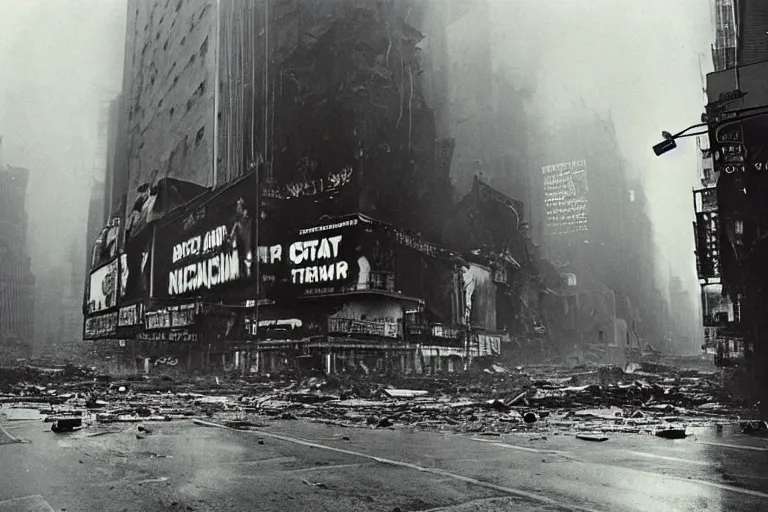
x: 565, y: 197
x: 102, y: 292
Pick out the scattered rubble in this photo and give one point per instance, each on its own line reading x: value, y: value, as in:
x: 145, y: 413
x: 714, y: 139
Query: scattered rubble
x: 640, y: 398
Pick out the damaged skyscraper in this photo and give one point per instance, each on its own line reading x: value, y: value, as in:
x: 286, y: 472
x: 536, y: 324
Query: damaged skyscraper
x: 17, y: 283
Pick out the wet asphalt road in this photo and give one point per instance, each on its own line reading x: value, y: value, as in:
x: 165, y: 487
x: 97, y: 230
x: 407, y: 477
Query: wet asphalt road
x: 309, y: 467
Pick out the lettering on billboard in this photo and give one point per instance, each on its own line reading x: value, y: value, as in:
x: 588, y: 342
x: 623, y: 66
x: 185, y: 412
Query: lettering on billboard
x: 220, y: 262
x: 173, y: 316
x: 102, y: 292
x: 217, y: 248
x: 323, y: 251
x: 101, y: 325
x: 565, y: 197
x: 129, y: 316
x: 439, y: 331
x: 384, y: 329
x: 178, y: 336
x: 342, y: 256
x: 334, y: 181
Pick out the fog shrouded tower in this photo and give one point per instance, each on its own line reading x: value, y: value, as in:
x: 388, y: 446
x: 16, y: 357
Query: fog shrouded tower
x: 16, y: 280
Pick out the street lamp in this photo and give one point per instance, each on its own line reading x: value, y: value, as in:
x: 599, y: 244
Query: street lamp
x: 668, y: 144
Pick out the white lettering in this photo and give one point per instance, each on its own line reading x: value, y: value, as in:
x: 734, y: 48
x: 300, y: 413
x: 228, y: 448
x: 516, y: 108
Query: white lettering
x: 276, y: 253
x: 311, y: 248
x: 335, y: 241
x: 295, y: 253
x: 200, y: 245
x: 320, y: 273
x: 341, y: 269
x: 220, y: 269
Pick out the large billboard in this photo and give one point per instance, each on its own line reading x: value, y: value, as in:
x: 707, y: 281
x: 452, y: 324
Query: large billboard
x: 346, y: 254
x: 565, y: 197
x: 210, y: 247
x: 102, y: 289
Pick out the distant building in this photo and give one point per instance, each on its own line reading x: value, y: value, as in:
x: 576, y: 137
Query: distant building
x: 168, y: 85
x: 17, y: 283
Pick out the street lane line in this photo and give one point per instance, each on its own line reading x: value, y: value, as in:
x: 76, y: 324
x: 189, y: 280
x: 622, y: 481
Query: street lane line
x: 153, y: 480
x: 666, y: 476
x: 318, y: 468
x: 664, y: 457
x: 518, y: 447
x: 435, y: 471
x: 735, y: 446
x: 9, y: 436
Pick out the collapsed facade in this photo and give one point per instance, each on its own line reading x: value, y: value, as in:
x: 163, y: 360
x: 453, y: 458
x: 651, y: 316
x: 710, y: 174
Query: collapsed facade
x: 308, y: 219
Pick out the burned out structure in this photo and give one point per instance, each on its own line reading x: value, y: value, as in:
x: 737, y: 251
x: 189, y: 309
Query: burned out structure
x: 308, y: 220
x: 287, y: 146
x: 730, y: 211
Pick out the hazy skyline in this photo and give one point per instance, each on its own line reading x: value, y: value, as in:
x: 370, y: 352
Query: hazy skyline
x: 639, y: 59
x: 60, y: 60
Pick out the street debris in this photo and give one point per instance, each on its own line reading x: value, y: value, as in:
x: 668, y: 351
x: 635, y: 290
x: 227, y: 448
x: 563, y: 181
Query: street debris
x: 592, y: 401
x: 672, y: 433
x: 592, y: 437
x: 66, y: 424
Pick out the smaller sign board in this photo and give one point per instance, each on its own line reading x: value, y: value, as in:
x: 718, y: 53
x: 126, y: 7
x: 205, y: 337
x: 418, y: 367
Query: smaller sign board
x: 129, y: 316
x: 100, y: 326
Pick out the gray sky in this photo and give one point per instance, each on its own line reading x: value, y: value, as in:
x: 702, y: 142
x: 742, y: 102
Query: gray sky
x: 641, y: 60
x: 59, y: 60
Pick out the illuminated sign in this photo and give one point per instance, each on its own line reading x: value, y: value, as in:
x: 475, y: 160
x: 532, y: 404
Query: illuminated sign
x: 348, y: 254
x: 321, y: 253
x: 219, y: 262
x: 173, y: 316
x: 179, y: 336
x: 383, y: 329
x: 210, y: 247
x: 102, y: 292
x: 565, y: 197
x: 129, y: 316
x: 100, y: 326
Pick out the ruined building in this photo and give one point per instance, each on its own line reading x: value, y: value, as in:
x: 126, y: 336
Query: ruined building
x: 17, y: 283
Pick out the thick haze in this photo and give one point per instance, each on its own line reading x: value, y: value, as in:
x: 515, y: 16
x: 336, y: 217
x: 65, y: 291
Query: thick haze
x: 60, y: 59
x: 641, y: 61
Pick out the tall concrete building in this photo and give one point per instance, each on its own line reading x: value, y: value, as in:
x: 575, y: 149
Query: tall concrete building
x: 168, y: 86
x: 17, y: 283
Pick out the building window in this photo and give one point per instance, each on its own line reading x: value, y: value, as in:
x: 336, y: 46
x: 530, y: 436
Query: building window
x: 601, y: 335
x: 739, y: 227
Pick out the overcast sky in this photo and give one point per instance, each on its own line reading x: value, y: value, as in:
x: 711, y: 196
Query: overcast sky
x: 60, y: 59
x: 642, y: 60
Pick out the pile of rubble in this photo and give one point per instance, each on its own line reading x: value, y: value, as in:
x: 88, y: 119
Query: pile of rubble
x: 636, y: 398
